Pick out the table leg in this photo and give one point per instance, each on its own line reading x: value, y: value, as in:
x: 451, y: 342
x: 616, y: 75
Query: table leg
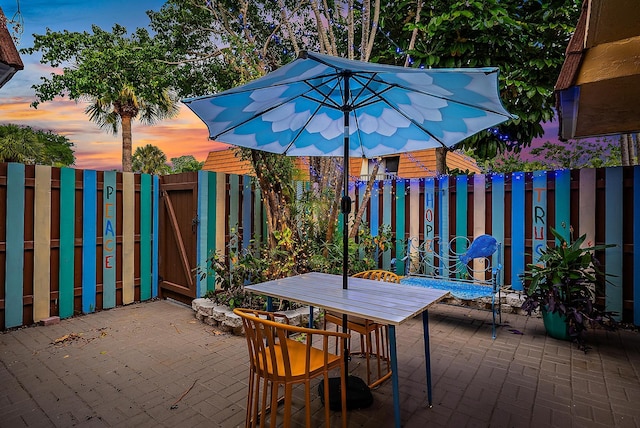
x: 269, y: 304
x: 427, y: 354
x: 310, y: 316
x: 394, y: 375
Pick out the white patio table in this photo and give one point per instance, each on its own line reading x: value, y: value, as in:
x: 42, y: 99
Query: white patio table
x: 382, y: 302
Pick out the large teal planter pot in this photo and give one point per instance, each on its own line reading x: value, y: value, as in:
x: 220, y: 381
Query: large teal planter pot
x: 556, y: 325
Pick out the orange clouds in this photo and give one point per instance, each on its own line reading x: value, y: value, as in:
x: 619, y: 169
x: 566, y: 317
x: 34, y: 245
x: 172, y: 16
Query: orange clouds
x: 101, y: 150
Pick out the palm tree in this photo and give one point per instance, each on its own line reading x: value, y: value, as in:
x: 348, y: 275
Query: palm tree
x: 114, y: 110
x: 123, y: 77
x: 150, y: 160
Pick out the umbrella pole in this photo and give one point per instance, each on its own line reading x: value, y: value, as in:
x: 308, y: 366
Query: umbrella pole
x: 345, y: 205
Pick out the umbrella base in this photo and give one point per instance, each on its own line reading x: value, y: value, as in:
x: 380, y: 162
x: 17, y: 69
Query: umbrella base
x: 358, y: 393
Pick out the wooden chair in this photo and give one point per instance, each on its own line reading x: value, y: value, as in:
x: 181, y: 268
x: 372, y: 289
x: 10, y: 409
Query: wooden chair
x: 366, y: 328
x: 278, y: 360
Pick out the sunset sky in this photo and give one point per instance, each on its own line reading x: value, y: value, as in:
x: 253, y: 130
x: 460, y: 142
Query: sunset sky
x: 94, y: 148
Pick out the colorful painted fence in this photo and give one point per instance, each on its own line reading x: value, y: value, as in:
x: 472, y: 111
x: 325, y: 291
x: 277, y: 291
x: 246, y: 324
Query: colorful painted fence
x: 519, y: 209
x: 229, y: 212
x: 74, y: 241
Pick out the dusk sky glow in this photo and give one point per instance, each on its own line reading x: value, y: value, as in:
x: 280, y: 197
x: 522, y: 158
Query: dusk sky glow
x: 94, y: 148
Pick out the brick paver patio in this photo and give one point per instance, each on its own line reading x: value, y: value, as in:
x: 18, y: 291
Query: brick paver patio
x: 153, y: 364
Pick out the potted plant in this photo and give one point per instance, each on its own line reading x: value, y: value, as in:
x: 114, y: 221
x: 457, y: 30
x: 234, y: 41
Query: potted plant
x: 562, y: 285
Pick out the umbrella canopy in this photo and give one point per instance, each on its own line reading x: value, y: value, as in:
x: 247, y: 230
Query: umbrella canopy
x: 301, y: 109
x: 321, y: 105
x: 598, y: 88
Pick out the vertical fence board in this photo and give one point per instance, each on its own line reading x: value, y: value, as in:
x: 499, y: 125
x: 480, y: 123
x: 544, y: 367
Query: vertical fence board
x: 145, y: 237
x: 497, y: 214
x: 414, y: 220
x: 587, y: 212
x: 221, y: 214
x: 429, y: 208
x: 563, y: 197
x: 42, y: 244
x: 89, y: 220
x: 155, y: 250
x: 400, y: 225
x: 234, y: 204
x: 109, y: 227
x: 374, y: 205
x: 613, y: 235
x: 636, y: 245
x: 517, y: 229
x: 203, y: 225
x: 461, y: 211
x: 386, y: 219
x: 444, y: 220
x: 14, y: 255
x: 67, y: 241
x: 539, y: 214
x: 246, y: 211
x: 479, y: 217
x: 128, y: 237
x: 257, y: 213
x: 211, y: 225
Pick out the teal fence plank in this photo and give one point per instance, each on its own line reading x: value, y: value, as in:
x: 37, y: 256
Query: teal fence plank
x: 400, y: 226
x: 246, y: 211
x: 374, y: 205
x: 613, y: 235
x: 14, y: 246
x: 539, y: 214
x: 155, y: 250
x: 89, y: 230
x: 109, y: 215
x: 636, y: 245
x: 211, y: 226
x: 443, y: 215
x: 517, y: 229
x: 497, y: 213
x: 386, y: 220
x: 67, y: 241
x: 429, y: 215
x: 429, y: 209
x: 202, y: 232
x: 563, y: 194
x: 145, y: 237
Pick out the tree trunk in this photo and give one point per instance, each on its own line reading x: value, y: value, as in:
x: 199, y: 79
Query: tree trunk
x: 441, y: 160
x: 365, y: 198
x: 624, y: 149
x: 277, y: 198
x: 126, y: 144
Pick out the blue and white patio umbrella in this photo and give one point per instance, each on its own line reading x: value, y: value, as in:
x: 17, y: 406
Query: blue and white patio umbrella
x: 321, y: 105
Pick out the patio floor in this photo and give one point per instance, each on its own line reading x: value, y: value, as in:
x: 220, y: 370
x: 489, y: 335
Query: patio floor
x: 153, y: 364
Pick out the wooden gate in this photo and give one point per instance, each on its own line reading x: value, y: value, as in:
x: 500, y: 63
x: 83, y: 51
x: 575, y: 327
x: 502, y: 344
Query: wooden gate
x: 178, y: 224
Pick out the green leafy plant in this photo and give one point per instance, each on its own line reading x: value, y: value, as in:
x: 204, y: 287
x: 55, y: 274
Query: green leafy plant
x: 262, y: 262
x: 565, y: 281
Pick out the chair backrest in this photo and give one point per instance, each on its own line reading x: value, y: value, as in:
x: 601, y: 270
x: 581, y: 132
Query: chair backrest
x: 269, y: 344
x: 378, y: 275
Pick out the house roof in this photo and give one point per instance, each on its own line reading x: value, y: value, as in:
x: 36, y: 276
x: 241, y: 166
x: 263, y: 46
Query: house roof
x: 598, y: 87
x: 10, y: 60
x: 417, y: 164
